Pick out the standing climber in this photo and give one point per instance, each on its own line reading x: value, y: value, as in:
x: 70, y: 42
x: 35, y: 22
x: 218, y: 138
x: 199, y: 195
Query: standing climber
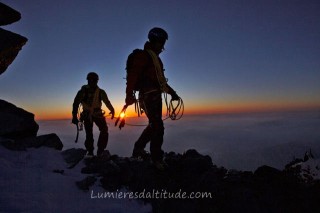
x: 145, y: 73
x: 91, y: 97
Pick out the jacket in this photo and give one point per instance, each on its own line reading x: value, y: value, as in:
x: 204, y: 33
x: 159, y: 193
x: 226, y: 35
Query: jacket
x: 143, y: 67
x: 86, y: 97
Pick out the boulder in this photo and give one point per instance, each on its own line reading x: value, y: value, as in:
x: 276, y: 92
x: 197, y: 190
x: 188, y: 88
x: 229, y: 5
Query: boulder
x: 16, y: 123
x: 73, y: 156
x: 10, y: 45
x: 267, y: 173
x: 8, y: 15
x: 49, y: 140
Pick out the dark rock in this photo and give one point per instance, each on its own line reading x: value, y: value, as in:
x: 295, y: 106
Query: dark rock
x: 16, y: 123
x: 187, y: 168
x: 268, y: 173
x: 59, y: 171
x: 105, y: 155
x: 101, y: 166
x: 50, y: 140
x: 86, y: 183
x: 192, y: 153
x: 73, y: 156
x: 10, y: 45
x: 303, y: 169
x: 293, y: 162
x: 266, y: 190
x: 308, y: 155
x: 8, y: 15
x: 111, y: 183
x: 11, y: 144
x: 238, y: 177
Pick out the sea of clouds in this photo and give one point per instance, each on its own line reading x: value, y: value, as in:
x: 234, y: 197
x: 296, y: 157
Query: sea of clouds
x: 235, y: 141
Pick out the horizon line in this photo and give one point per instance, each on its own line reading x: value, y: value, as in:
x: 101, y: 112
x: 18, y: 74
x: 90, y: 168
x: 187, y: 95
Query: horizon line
x: 226, y: 112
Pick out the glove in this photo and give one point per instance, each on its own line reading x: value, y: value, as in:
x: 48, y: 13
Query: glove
x: 130, y: 99
x: 75, y: 120
x: 175, y: 97
x: 112, y: 114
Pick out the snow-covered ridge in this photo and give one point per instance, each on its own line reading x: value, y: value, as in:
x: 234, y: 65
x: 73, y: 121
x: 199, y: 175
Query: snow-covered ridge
x: 32, y: 181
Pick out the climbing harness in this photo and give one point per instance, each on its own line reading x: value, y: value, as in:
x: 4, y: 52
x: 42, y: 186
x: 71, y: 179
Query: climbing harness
x: 88, y: 114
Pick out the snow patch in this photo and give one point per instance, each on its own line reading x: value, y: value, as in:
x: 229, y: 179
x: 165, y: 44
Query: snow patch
x: 29, y: 183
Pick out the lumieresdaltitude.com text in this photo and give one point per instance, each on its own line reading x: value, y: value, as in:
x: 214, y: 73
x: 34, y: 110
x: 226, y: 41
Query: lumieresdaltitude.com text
x: 154, y: 194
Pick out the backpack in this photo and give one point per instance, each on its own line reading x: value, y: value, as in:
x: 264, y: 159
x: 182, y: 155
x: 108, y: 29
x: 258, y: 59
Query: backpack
x: 129, y: 65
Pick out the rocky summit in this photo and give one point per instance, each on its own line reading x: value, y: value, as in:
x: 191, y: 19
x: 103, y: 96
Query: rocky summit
x: 265, y: 190
x: 190, y: 182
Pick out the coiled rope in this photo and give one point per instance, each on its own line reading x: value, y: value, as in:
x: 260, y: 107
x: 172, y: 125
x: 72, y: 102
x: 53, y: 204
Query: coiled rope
x: 174, y: 112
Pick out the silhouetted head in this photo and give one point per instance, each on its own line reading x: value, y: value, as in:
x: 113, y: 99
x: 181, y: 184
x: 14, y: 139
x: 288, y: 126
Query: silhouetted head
x: 92, y: 78
x: 158, y: 37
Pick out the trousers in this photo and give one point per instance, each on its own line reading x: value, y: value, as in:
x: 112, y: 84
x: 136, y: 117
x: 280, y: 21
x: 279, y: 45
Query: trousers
x: 151, y: 103
x: 103, y: 135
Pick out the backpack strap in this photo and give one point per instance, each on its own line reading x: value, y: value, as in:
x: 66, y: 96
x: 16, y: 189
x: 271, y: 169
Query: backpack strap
x: 96, y: 103
x: 160, y: 75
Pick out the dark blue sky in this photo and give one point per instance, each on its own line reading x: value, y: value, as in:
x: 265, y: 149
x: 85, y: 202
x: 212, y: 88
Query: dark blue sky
x: 220, y: 56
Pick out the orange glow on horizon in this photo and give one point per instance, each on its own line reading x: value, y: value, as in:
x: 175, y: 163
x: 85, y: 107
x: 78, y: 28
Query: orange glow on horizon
x: 247, y: 108
x: 192, y: 110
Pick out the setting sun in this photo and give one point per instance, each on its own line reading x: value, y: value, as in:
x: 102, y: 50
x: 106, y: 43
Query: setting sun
x: 122, y: 115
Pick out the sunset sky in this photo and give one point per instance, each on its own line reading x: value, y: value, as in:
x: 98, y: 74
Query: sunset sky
x: 221, y: 56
